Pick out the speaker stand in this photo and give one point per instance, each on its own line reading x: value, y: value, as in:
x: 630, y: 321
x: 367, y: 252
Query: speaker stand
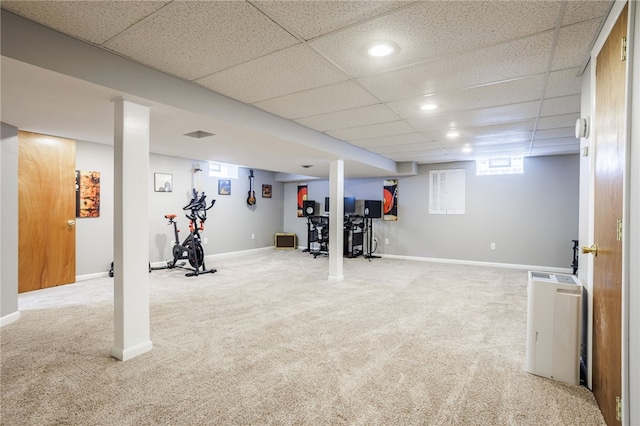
x: 369, y: 225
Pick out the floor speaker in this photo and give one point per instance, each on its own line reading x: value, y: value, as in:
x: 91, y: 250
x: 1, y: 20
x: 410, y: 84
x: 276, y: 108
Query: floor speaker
x: 285, y: 240
x: 310, y: 208
x: 373, y: 209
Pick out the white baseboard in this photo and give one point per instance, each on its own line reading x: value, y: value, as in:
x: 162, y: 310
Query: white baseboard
x: 91, y: 276
x: 214, y: 257
x: 480, y: 263
x: 125, y: 354
x: 8, y: 319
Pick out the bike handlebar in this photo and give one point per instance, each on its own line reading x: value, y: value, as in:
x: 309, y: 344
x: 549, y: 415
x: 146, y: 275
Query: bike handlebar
x: 198, y: 207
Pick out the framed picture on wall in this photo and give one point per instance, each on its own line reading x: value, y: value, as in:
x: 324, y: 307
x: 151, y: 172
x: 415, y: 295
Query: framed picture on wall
x: 302, y: 196
x: 224, y: 186
x: 390, y: 200
x: 162, y: 182
x: 87, y: 193
x: 266, y: 191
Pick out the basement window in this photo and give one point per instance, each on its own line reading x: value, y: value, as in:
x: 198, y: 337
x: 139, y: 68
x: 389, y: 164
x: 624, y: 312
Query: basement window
x: 223, y: 170
x: 500, y: 166
x: 447, y: 191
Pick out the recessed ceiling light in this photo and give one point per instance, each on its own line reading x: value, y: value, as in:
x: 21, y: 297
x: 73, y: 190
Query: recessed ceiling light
x: 381, y: 49
x: 467, y: 149
x: 453, y: 133
x: 428, y: 107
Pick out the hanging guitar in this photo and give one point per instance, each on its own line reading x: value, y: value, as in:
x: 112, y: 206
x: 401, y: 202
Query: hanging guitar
x: 251, y: 199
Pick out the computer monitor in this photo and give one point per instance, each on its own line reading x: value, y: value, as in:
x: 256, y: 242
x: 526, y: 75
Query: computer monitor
x: 349, y: 205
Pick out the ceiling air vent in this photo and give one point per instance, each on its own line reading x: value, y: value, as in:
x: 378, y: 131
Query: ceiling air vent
x: 199, y: 134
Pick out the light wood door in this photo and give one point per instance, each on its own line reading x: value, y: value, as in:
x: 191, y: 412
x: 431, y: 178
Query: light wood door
x: 46, y: 205
x: 610, y: 138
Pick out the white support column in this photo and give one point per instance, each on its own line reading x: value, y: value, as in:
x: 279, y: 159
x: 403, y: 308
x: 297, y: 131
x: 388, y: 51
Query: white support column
x: 336, y: 221
x: 131, y: 242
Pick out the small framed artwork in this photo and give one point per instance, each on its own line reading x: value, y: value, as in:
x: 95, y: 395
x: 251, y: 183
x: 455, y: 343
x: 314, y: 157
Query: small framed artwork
x: 224, y: 186
x: 266, y: 191
x: 390, y: 200
x: 163, y: 182
x: 87, y: 194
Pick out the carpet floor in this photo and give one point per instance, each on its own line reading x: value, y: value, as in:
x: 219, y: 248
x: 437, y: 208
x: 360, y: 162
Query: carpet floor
x: 267, y: 340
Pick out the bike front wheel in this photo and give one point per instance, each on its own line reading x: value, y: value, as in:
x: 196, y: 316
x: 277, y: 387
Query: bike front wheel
x: 196, y: 255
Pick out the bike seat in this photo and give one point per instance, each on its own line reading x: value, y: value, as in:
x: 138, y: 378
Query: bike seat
x: 170, y: 216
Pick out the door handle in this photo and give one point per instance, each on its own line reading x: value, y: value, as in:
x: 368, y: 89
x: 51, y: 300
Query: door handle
x: 593, y: 250
x: 71, y: 222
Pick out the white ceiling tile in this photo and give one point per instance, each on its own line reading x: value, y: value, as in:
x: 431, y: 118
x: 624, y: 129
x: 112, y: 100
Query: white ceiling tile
x: 310, y: 19
x: 480, y: 117
x: 556, y: 121
x: 580, y: 10
x: 539, y: 143
x: 507, y: 147
x: 424, y: 159
x: 372, y: 114
x: 391, y: 140
x: 192, y: 39
x: 424, y: 31
x: 411, y: 154
x: 511, y: 60
x: 287, y: 71
x: 563, y: 83
x: 374, y: 130
x: 562, y: 132
x: 574, y: 44
x: 560, y: 106
x: 498, y: 139
x: 322, y: 100
x: 93, y: 21
x: 405, y: 148
x: 555, y: 150
x: 508, y: 92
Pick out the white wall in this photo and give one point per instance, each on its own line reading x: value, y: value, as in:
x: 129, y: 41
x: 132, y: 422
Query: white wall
x: 229, y: 226
x: 230, y: 223
x: 532, y: 218
x: 8, y: 223
x: 94, y: 236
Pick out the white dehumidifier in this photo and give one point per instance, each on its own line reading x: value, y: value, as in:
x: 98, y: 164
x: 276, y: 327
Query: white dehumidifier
x: 553, y: 326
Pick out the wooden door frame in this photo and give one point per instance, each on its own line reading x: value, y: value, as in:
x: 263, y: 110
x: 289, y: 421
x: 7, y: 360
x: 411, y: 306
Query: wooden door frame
x: 602, y: 38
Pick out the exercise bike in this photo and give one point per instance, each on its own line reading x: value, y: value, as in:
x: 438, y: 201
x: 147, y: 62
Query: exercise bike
x: 191, y: 248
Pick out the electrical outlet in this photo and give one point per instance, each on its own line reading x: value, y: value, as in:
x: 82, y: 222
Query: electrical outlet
x: 386, y: 241
x: 493, y: 246
x: 205, y: 240
x: 253, y: 236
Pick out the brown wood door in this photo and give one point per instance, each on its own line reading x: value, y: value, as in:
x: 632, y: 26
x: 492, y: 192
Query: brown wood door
x: 46, y: 204
x: 610, y: 138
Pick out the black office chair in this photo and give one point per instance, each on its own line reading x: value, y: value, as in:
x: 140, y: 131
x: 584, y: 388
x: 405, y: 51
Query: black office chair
x: 322, y: 232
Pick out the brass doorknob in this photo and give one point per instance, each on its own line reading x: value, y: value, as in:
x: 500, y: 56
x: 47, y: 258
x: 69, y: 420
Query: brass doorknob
x: 593, y: 250
x: 71, y: 222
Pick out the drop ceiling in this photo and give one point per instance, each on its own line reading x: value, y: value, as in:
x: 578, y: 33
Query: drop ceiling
x: 505, y: 74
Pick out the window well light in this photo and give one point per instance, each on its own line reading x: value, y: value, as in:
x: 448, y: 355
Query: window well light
x: 381, y: 49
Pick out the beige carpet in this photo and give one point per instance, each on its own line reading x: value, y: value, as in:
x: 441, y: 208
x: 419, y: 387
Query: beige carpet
x: 268, y: 340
